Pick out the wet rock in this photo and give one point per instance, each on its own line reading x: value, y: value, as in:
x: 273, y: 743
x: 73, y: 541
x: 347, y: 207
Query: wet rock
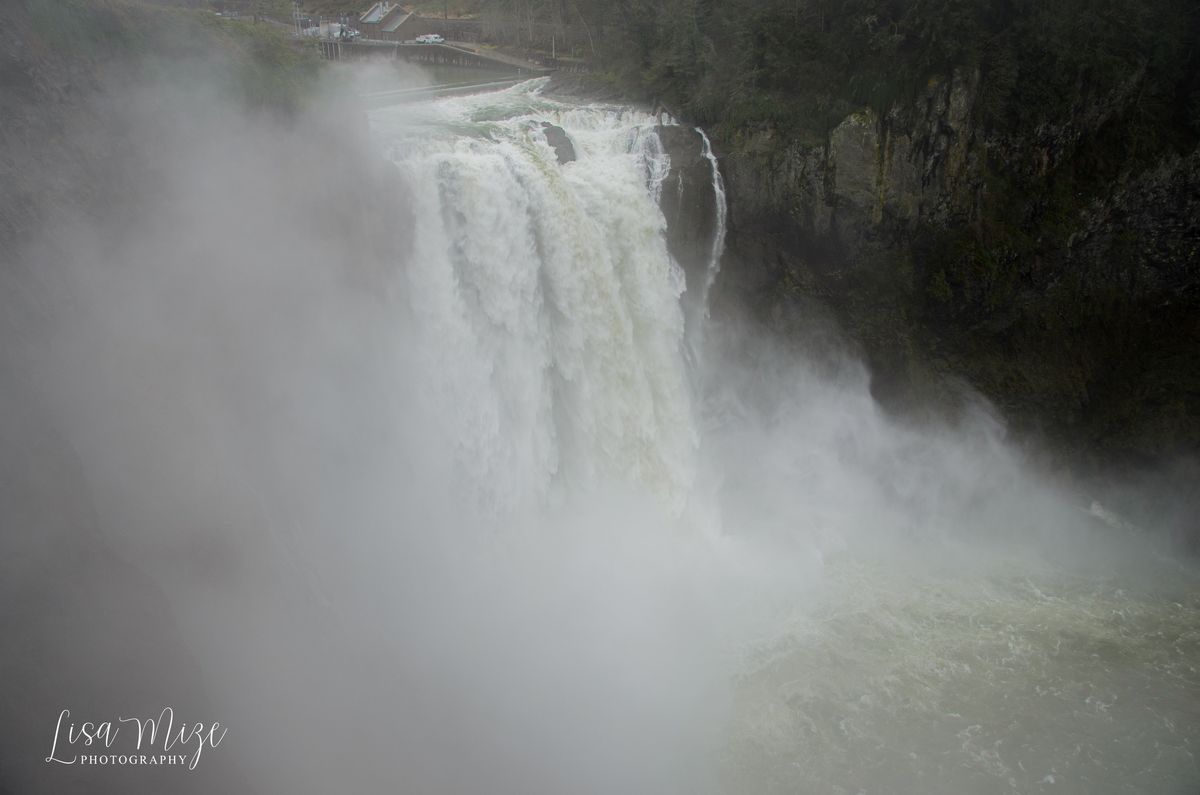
x: 688, y: 202
x: 947, y: 249
x: 558, y: 139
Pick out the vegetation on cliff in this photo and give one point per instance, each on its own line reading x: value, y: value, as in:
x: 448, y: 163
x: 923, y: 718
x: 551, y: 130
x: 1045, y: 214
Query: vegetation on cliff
x: 258, y: 61
x: 808, y: 63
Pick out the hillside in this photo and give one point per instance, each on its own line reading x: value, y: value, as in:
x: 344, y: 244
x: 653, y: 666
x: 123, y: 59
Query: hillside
x: 58, y: 54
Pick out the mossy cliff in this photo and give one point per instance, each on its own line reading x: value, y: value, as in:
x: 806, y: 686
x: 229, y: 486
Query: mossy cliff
x: 1054, y: 272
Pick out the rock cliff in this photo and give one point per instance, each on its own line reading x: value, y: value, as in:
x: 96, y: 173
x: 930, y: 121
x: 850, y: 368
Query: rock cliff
x: 1053, y: 271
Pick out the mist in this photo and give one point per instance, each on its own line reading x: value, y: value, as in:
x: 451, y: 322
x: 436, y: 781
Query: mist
x: 267, y: 462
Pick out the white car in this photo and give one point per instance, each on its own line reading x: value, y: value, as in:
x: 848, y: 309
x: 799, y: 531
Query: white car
x: 429, y: 38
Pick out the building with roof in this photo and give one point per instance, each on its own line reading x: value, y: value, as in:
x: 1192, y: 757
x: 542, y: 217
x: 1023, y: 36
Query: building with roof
x: 375, y: 13
x: 372, y: 20
x: 393, y: 22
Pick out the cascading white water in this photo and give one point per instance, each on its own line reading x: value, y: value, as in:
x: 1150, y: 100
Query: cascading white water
x: 657, y: 162
x: 720, y: 209
x: 548, y: 297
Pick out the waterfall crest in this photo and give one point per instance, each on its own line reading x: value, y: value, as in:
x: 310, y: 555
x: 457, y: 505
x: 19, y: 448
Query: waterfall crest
x: 552, y: 288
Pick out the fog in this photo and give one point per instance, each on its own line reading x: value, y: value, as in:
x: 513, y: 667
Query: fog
x: 252, y: 472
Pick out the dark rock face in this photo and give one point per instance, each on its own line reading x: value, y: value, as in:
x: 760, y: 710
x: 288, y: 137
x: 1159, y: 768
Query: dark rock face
x: 688, y: 202
x: 1070, y: 300
x: 557, y: 138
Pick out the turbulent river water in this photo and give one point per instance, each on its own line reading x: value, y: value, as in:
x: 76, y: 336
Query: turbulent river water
x: 866, y: 607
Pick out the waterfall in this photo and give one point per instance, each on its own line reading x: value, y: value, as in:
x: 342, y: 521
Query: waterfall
x: 548, y: 299
x: 655, y: 159
x: 719, y: 212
